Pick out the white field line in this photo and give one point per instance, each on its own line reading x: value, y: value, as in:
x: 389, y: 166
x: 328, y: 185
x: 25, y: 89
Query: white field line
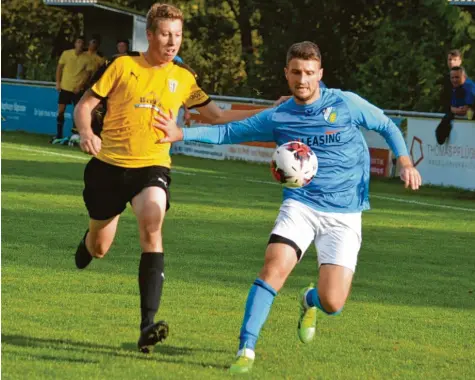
x: 85, y: 158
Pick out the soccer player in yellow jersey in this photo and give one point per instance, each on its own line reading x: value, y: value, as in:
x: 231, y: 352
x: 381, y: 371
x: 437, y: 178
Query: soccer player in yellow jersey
x: 129, y: 165
x: 71, y: 74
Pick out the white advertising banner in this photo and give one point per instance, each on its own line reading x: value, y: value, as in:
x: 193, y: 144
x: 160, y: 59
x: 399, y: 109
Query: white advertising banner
x: 249, y: 153
x: 190, y: 148
x: 450, y: 164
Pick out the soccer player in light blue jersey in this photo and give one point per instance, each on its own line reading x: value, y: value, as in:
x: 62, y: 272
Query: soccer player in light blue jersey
x: 328, y: 210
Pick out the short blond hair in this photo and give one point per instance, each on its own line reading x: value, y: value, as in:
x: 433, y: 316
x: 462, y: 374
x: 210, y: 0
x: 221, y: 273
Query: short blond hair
x: 159, y: 11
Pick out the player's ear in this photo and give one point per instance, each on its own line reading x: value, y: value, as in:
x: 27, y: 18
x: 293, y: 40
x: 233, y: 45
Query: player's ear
x: 286, y: 72
x: 320, y: 74
x: 149, y: 34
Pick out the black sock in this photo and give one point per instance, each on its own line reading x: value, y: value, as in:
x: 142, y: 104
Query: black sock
x: 83, y: 256
x: 150, y: 284
x: 59, y: 126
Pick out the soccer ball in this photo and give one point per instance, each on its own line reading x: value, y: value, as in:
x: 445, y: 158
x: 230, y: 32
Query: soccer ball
x: 294, y: 164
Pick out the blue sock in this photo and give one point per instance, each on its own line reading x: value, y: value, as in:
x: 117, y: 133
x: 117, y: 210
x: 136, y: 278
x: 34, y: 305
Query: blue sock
x: 314, y: 300
x: 258, y: 304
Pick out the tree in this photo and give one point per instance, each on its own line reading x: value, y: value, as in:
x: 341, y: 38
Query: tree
x: 31, y: 32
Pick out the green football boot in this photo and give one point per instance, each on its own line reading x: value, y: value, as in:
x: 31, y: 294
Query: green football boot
x: 308, y: 317
x: 243, y: 363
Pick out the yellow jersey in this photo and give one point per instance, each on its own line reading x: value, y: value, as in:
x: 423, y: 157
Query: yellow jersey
x: 95, y: 61
x: 74, y: 70
x: 135, y: 91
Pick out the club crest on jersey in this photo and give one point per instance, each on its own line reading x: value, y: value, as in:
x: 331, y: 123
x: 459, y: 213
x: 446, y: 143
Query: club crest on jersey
x: 330, y: 114
x: 172, y: 85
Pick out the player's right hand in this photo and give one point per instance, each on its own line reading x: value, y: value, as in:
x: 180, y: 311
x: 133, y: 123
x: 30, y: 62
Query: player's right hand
x: 58, y: 87
x: 167, y: 124
x: 90, y: 144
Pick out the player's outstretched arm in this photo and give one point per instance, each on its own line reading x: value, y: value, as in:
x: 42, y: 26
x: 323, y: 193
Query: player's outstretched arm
x: 256, y: 128
x: 215, y: 115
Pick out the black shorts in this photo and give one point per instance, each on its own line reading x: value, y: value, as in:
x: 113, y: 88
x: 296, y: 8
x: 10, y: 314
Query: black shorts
x: 68, y: 97
x: 108, y: 188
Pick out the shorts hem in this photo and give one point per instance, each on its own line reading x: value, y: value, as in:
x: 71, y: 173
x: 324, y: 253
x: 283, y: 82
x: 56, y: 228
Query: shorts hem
x: 339, y: 263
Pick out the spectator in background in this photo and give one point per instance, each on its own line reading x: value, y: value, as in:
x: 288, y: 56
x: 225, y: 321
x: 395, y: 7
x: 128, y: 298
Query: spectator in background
x: 95, y: 61
x: 70, y: 75
x: 122, y: 48
x: 463, y: 91
x: 454, y: 59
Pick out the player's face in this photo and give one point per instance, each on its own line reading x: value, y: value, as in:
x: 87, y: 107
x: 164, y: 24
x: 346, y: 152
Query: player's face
x: 122, y: 48
x: 93, y: 45
x: 303, y: 77
x: 456, y: 77
x: 453, y: 61
x: 166, y: 39
x: 78, y: 45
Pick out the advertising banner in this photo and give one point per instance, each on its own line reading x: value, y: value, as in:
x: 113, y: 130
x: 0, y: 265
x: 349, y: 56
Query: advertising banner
x: 450, y: 164
x: 32, y: 109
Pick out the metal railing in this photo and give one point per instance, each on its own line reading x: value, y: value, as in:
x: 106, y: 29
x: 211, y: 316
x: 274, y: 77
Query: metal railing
x: 236, y: 99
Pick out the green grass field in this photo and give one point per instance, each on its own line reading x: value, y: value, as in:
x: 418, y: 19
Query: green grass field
x: 411, y: 314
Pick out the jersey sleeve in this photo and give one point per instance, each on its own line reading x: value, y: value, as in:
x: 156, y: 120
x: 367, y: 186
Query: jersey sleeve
x: 366, y: 115
x: 256, y: 128
x: 107, y: 81
x: 63, y: 58
x: 196, y: 97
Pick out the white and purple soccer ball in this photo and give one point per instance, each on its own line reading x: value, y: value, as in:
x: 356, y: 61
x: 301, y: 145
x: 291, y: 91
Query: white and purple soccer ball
x: 294, y: 164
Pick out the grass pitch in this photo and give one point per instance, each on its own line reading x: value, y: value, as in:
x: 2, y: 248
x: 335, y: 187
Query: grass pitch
x: 411, y: 314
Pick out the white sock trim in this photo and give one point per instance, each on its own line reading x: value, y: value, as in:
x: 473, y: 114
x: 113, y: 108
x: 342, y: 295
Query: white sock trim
x: 247, y: 352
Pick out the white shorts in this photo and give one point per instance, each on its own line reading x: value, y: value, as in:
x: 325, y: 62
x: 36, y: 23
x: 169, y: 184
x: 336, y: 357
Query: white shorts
x: 337, y: 236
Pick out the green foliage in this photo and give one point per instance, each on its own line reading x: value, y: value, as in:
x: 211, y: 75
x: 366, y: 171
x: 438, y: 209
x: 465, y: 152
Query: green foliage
x: 408, y: 54
x: 393, y: 53
x: 30, y: 31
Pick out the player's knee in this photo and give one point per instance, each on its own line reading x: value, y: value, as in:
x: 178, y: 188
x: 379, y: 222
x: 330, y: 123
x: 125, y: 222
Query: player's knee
x: 150, y: 228
x: 332, y: 305
x: 99, y: 249
x: 275, y: 275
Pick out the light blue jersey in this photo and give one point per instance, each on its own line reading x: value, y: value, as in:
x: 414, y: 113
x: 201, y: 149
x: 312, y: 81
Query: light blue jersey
x: 331, y: 128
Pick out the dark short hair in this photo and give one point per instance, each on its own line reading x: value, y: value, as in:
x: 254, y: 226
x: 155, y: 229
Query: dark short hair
x: 82, y: 38
x: 96, y: 37
x: 455, y: 53
x: 304, y: 50
x: 125, y: 41
x: 458, y: 68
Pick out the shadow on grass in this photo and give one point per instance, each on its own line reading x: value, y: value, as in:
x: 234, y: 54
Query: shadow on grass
x: 162, y: 353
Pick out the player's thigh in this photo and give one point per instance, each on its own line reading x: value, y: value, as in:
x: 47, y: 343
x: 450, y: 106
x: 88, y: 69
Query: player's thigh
x: 280, y: 259
x: 338, y: 239
x: 334, y: 284
x: 150, y: 197
x: 149, y: 207
x: 104, y: 190
x: 294, y: 226
x: 64, y: 98
x: 338, y: 243
x: 101, y: 235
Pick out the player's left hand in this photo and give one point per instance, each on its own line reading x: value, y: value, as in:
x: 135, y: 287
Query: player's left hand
x: 411, y: 177
x: 167, y: 124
